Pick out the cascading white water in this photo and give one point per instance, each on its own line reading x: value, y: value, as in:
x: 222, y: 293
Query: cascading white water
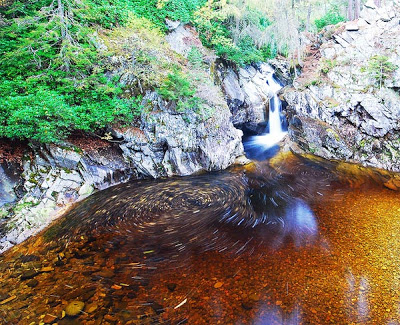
x: 276, y: 133
x: 275, y: 124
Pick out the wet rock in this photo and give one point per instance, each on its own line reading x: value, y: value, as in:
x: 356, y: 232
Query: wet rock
x: 53, y: 301
x: 70, y: 321
x: 254, y: 296
x: 218, y: 285
x: 81, y: 255
x: 88, y: 294
x: 110, y: 318
x: 49, y: 319
x: 7, y: 300
x: 74, y: 293
x: 29, y: 258
x: 157, y: 307
x: 247, y: 305
x: 105, y: 274
x: 29, y: 274
x: 32, y: 283
x: 116, y: 287
x: 59, y: 263
x: 393, y: 184
x: 74, y: 308
x: 91, y: 308
x: 171, y: 286
x: 4, y: 295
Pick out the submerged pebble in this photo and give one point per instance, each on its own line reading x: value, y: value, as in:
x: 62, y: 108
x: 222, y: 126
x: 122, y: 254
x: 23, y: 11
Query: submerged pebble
x: 74, y: 308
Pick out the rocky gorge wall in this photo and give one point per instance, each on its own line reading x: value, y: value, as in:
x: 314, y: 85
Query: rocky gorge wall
x: 247, y: 91
x: 341, y: 109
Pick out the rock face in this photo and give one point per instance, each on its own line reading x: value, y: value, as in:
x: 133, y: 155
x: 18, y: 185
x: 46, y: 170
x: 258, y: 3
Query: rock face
x: 345, y: 110
x: 246, y: 91
x: 9, y: 179
x: 53, y: 177
x: 169, y: 144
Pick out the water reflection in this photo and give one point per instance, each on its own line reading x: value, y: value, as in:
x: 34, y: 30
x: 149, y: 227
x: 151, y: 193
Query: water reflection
x: 357, y: 297
x: 275, y: 315
x: 298, y: 223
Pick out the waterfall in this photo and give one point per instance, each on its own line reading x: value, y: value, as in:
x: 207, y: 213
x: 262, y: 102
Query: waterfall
x: 276, y: 132
x: 257, y: 146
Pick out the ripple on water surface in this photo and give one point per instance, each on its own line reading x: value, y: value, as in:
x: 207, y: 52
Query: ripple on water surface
x: 299, y: 242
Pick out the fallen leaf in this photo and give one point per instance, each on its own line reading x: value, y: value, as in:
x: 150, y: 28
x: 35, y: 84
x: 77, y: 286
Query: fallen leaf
x: 218, y: 285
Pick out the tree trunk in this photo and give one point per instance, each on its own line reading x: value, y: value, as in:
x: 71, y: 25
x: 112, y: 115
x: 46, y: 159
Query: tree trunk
x: 350, y: 10
x: 357, y: 9
x: 308, y: 18
x: 62, y: 19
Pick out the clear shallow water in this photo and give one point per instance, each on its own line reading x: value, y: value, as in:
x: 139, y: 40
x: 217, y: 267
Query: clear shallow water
x: 288, y: 242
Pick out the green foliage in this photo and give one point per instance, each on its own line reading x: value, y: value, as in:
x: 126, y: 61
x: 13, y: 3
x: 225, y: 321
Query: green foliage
x: 380, y: 68
x: 332, y: 17
x: 195, y: 57
x: 158, y: 10
x: 179, y: 89
x: 327, y: 65
x: 51, y: 77
x: 217, y: 31
x: 146, y: 56
x: 314, y: 82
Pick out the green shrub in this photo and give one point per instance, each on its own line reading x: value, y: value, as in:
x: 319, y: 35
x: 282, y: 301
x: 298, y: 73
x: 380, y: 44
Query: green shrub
x: 332, y: 17
x: 380, y: 68
x: 179, y: 89
x: 52, y: 80
x: 327, y: 65
x: 195, y: 57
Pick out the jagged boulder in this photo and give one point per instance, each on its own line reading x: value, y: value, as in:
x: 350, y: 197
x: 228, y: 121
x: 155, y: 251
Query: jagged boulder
x: 170, y: 143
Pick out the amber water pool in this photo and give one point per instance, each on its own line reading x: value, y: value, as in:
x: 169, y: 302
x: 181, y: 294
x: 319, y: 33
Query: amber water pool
x: 290, y: 242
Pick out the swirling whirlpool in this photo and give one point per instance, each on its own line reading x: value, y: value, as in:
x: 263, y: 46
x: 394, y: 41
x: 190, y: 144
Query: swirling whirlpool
x: 263, y: 205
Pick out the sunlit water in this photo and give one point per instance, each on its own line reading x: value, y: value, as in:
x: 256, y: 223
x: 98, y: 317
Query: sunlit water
x: 293, y: 242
